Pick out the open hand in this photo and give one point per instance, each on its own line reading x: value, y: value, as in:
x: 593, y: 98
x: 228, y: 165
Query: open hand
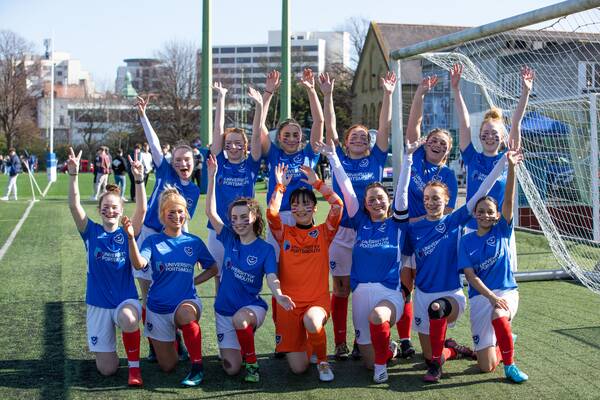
x: 273, y: 81
x: 255, y: 95
x: 410, y: 148
x: 388, y: 82
x: 527, y: 77
x: 281, y: 175
x: 127, y: 226
x: 455, y: 75
x: 326, y: 84
x: 311, y: 175
x: 285, y: 302
x: 427, y: 84
x: 322, y: 148
x: 211, y: 166
x: 308, y: 79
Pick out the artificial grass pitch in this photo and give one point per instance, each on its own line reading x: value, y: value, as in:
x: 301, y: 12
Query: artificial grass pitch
x: 43, y: 348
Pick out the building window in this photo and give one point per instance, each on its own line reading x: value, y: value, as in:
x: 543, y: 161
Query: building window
x: 244, y: 49
x: 364, y: 82
x: 365, y: 114
x: 589, y: 76
x: 244, y: 60
x: 372, y: 116
x: 216, y: 50
x: 275, y: 49
x: 262, y: 49
x: 61, y: 120
x: 310, y: 48
x: 227, y: 60
x: 59, y: 73
x: 227, y: 50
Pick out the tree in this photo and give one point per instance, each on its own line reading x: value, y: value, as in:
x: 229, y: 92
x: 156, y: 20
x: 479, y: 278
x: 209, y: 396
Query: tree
x: 177, y: 97
x: 357, y: 27
x: 16, y: 100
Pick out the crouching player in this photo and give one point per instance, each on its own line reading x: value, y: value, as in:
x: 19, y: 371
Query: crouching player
x: 111, y: 296
x: 304, y: 270
x: 172, y: 302
x: 439, y: 299
x: 377, y: 300
x: 239, y: 309
x: 484, y: 256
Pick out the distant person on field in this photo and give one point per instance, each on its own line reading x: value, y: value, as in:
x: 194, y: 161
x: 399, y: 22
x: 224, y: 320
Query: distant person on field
x: 103, y: 172
x: 166, y: 149
x: 119, y: 167
x: 14, y: 168
x: 146, y: 158
x: 135, y: 156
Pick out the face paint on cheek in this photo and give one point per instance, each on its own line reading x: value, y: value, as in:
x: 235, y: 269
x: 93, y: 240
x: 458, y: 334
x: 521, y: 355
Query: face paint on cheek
x: 242, y: 223
x: 106, y: 212
x: 175, y: 217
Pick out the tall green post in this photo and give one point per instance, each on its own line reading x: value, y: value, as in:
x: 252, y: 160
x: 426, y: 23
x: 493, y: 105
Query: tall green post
x: 285, y: 102
x: 206, y: 112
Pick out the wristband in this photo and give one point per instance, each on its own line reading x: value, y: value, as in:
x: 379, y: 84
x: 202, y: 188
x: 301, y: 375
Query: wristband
x: 317, y: 184
x: 139, y: 182
x: 266, y: 91
x: 280, y: 188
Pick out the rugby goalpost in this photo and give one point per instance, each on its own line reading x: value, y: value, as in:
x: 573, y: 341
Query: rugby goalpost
x: 560, y: 176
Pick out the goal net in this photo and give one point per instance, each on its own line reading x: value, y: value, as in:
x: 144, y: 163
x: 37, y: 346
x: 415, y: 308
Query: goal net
x: 559, y: 177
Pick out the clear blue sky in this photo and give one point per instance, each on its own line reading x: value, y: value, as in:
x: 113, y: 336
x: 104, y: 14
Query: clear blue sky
x: 102, y: 33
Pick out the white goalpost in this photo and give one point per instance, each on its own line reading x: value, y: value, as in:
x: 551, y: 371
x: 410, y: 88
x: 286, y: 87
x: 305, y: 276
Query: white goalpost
x: 560, y: 176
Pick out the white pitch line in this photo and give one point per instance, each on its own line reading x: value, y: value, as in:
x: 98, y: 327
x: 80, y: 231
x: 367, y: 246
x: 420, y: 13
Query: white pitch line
x: 44, y: 194
x: 16, y: 230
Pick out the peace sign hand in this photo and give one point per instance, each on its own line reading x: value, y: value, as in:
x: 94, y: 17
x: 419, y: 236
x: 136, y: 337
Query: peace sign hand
x: 137, y: 169
x: 142, y: 104
x: 73, y: 162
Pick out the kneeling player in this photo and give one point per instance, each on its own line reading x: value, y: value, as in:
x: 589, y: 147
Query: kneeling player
x: 484, y: 256
x: 172, y: 301
x: 239, y: 309
x: 304, y: 270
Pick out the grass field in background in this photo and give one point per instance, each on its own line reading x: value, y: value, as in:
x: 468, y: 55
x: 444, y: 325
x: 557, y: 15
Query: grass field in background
x: 43, y: 348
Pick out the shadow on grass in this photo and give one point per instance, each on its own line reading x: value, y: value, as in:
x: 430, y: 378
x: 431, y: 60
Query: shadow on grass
x: 589, y: 335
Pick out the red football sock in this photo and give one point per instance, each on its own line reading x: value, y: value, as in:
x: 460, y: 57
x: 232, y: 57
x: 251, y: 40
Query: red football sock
x: 246, y: 339
x: 131, y: 342
x: 192, y: 336
x: 380, y: 338
x: 437, y: 335
x: 339, y: 315
x: 405, y: 322
x: 498, y: 355
x: 318, y: 342
x: 505, y: 340
x: 448, y: 354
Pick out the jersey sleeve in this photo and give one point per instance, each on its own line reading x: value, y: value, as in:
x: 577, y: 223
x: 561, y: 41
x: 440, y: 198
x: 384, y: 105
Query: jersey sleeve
x: 464, y: 260
x: 460, y: 216
x: 270, y: 265
x: 379, y: 155
x: 468, y: 154
x: 452, y: 184
x: 273, y: 155
x: 225, y: 235
x: 254, y: 166
x: 88, y: 231
x: 505, y: 227
x: 146, y: 249
x: 162, y: 170
x: 310, y: 153
x: 204, y: 257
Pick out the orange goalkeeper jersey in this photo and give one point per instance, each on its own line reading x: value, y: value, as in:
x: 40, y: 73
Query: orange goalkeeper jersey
x: 304, y: 253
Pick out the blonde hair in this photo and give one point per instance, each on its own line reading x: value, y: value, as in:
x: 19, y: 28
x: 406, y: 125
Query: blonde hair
x: 435, y: 131
x: 170, y: 195
x: 494, y: 114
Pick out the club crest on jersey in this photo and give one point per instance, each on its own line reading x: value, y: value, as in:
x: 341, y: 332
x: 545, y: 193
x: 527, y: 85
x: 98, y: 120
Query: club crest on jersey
x: 332, y: 265
x: 228, y: 264
x: 287, y: 245
x: 220, y: 337
x: 436, y: 178
x: 476, y: 339
x: 161, y: 267
x: 189, y: 202
x: 357, y: 333
x: 364, y: 163
x: 220, y: 180
x: 382, y: 228
x: 251, y: 260
x: 119, y: 238
x: 97, y: 254
x: 189, y: 251
x: 314, y: 233
x: 149, y: 326
x: 299, y: 159
x: 242, y: 168
x: 277, y: 339
x: 491, y: 241
x: 417, y: 321
x: 441, y: 228
x: 94, y: 340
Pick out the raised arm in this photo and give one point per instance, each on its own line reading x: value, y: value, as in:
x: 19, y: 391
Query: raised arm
x: 211, y: 201
x: 388, y: 83
x: 219, y: 125
x: 487, y: 183
x: 464, y: 122
x: 255, y: 143
x: 271, y: 86
x: 151, y: 136
x: 137, y: 261
x: 514, y: 137
x: 316, y: 131
x: 141, y: 202
x: 77, y: 210
x: 350, y: 200
x: 513, y: 158
x: 273, y: 218
x: 336, y: 206
x: 401, y: 197
x: 413, y: 127
x: 326, y: 85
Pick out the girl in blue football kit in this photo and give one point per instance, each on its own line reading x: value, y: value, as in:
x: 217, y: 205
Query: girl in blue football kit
x: 363, y: 165
x: 111, y: 296
x: 289, y: 148
x: 237, y: 174
x: 172, y: 302
x: 178, y: 173
x: 439, y: 300
x: 377, y: 298
x: 484, y: 256
x: 239, y: 309
x: 493, y: 139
